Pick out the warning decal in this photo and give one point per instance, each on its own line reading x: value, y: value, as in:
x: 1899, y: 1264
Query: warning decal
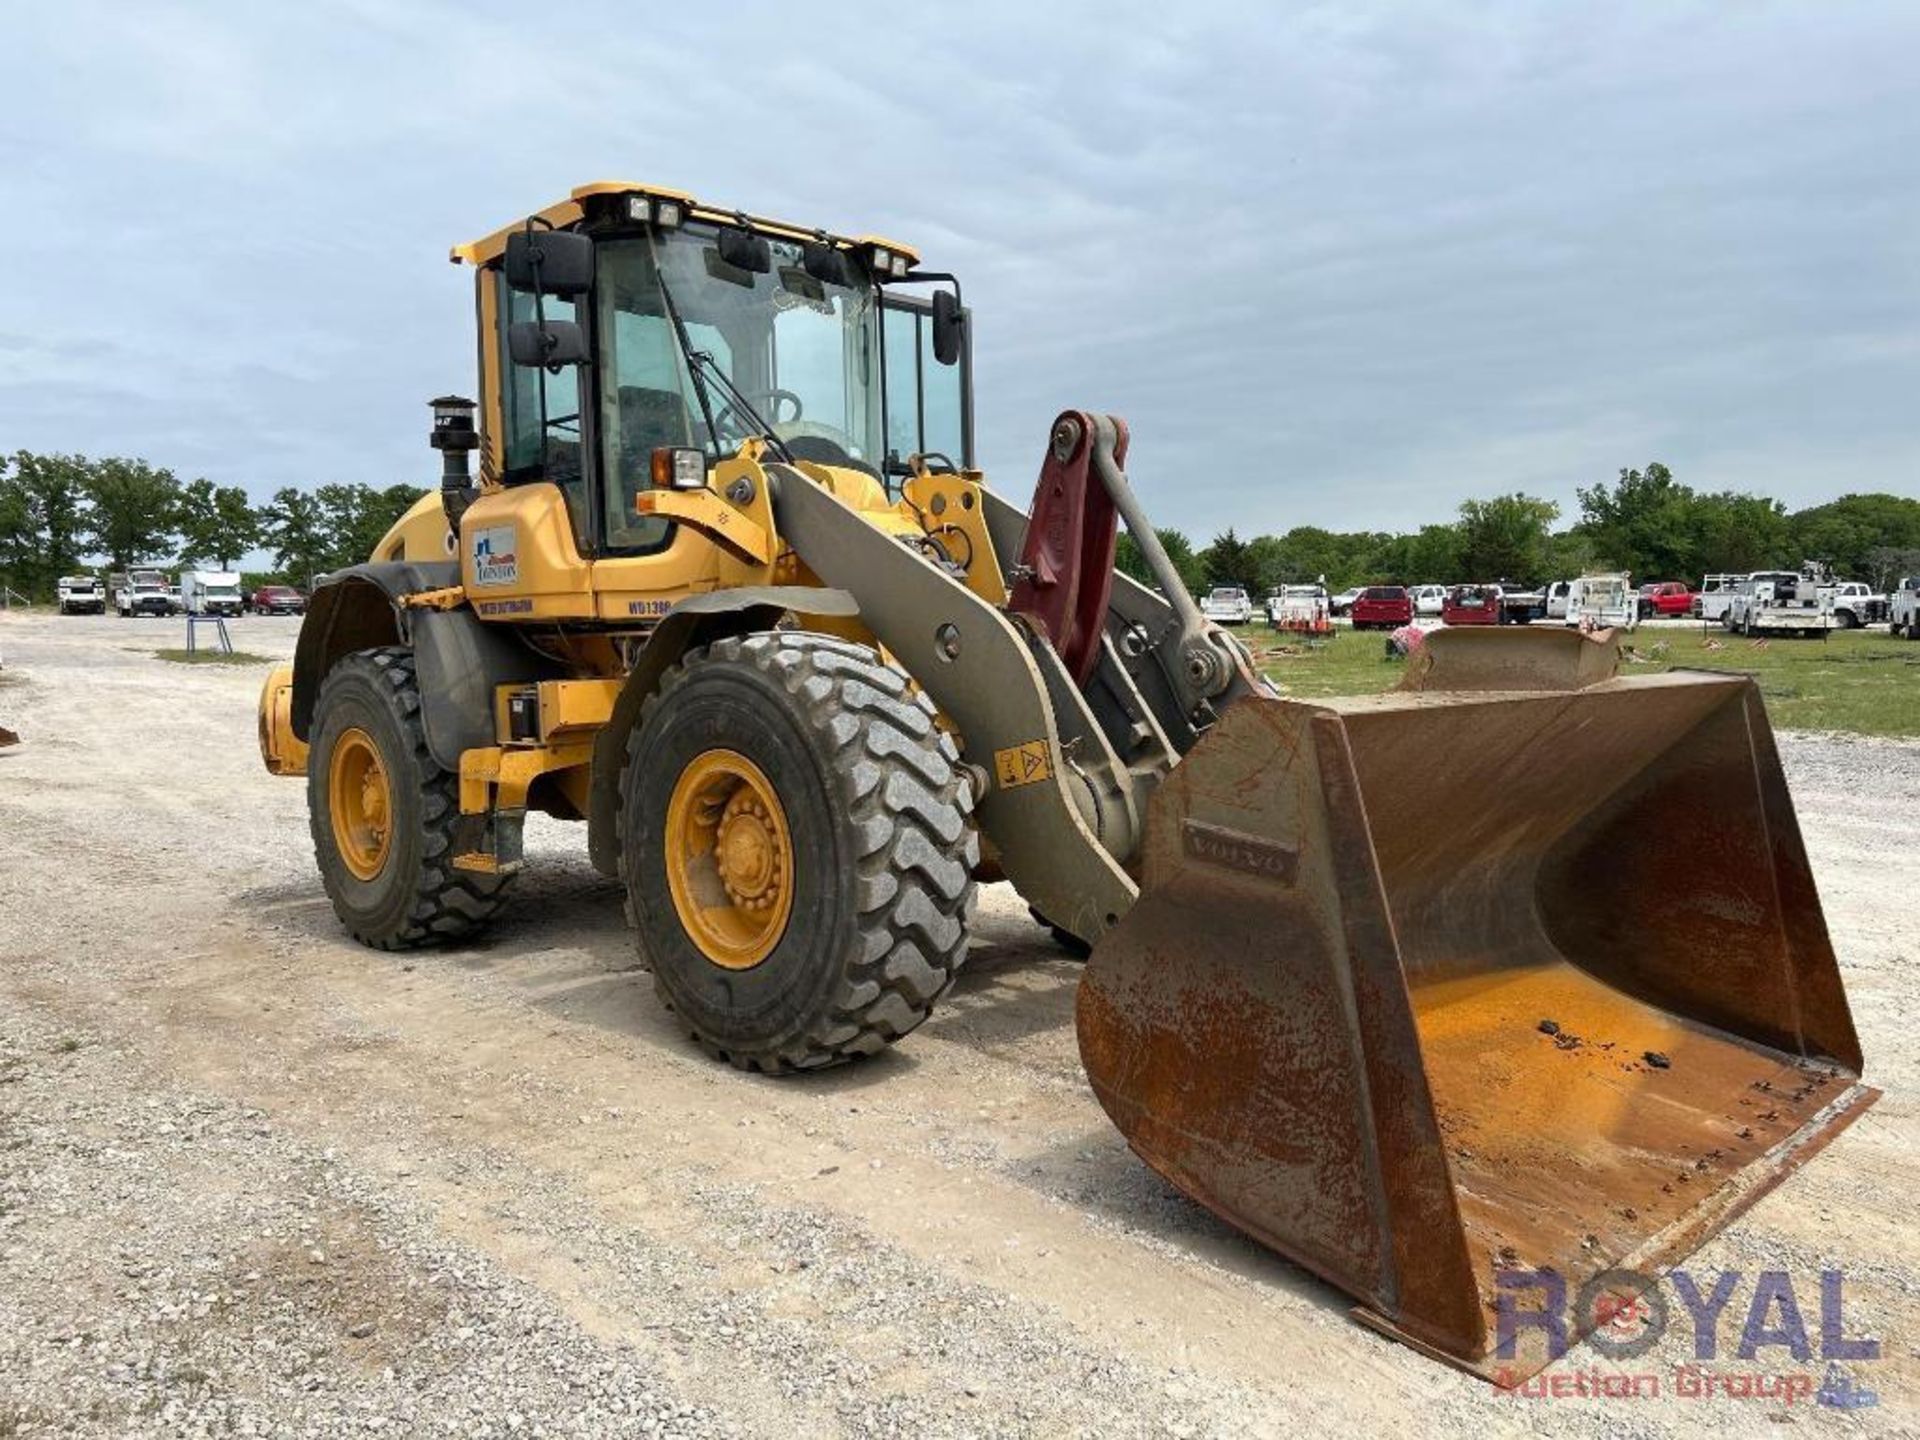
x: 1022, y: 764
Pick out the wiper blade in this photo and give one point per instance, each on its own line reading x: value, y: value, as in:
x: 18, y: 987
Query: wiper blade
x: 686, y: 351
x: 740, y: 404
x: 735, y: 400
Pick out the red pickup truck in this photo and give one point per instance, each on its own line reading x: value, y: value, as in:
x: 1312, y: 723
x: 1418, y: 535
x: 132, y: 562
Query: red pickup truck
x: 1471, y: 605
x: 1670, y: 599
x: 1382, y: 607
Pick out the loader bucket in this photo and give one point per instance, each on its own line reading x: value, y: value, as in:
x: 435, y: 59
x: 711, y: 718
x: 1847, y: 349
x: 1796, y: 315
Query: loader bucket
x: 1518, y: 968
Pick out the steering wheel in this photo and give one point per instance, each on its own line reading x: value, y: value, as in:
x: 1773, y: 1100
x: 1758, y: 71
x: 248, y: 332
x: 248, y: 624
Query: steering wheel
x: 770, y: 399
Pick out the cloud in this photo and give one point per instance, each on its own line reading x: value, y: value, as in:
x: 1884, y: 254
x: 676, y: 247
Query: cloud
x: 1336, y: 265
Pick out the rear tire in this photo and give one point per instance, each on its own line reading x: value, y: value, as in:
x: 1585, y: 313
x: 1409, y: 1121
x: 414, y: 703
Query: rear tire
x: 413, y: 895
x: 872, y: 808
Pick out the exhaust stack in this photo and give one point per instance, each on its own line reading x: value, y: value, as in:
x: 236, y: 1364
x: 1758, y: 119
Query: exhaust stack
x: 454, y: 436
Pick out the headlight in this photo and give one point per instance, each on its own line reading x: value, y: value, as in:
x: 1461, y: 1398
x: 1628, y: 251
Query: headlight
x: 678, y: 467
x: 667, y: 214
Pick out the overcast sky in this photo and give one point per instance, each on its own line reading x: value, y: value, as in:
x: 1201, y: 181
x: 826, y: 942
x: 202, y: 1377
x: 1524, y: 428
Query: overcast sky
x: 1337, y: 265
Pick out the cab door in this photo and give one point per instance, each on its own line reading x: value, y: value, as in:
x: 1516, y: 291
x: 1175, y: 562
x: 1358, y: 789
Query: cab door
x: 928, y: 406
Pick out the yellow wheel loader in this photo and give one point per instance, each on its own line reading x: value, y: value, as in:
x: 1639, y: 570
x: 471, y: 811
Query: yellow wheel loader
x: 1518, y: 968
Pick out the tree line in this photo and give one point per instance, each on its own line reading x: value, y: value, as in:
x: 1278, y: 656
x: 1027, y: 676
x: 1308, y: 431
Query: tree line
x: 1645, y: 522
x: 60, y: 513
x: 63, y: 514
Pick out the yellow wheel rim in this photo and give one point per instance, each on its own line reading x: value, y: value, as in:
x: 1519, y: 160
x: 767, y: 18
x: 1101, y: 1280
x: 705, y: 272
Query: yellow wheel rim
x: 361, y: 802
x: 729, y: 859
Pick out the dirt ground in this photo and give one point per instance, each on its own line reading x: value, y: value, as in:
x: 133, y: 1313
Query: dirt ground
x: 255, y: 1179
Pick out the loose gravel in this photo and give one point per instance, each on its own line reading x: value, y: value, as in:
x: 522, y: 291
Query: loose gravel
x: 256, y: 1180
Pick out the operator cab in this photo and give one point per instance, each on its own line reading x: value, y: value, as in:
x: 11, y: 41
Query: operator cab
x: 629, y: 320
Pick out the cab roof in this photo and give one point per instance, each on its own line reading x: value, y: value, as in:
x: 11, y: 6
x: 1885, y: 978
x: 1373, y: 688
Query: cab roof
x: 564, y: 212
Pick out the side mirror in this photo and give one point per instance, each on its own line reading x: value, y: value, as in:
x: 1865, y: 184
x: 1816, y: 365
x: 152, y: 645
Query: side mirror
x: 558, y: 342
x: 744, y: 250
x: 554, y: 262
x: 949, y: 322
x: 826, y: 264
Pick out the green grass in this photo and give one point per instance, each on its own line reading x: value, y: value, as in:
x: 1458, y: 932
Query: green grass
x: 1865, y: 682
x: 213, y: 657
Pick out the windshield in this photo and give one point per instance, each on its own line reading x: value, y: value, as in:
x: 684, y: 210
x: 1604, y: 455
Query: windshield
x: 802, y: 353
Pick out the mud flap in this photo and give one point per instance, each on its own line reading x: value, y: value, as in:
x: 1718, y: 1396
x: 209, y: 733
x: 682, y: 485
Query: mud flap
x: 1427, y: 987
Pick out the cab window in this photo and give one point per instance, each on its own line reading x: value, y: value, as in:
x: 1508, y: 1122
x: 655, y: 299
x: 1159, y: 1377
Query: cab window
x: 542, y: 414
x: 926, y: 401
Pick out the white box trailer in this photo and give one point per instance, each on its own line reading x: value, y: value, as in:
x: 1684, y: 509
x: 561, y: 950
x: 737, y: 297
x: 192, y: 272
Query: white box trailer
x: 210, y: 592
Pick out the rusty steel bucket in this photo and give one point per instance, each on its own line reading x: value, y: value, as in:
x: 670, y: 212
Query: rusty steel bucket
x: 1518, y: 966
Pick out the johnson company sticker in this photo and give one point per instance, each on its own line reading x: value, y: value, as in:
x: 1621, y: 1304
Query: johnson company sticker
x: 495, y: 557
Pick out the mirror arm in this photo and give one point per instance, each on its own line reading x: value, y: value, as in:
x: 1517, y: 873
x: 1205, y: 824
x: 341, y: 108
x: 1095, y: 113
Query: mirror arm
x: 934, y: 275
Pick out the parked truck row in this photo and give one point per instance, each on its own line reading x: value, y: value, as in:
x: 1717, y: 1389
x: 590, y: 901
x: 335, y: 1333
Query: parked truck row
x: 1809, y: 601
x: 130, y: 593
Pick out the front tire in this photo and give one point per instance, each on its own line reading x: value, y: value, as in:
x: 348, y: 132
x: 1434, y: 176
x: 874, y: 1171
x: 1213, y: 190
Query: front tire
x: 797, y: 849
x: 382, y: 811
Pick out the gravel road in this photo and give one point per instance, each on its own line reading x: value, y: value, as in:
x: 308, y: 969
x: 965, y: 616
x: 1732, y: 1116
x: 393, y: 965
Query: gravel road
x: 256, y: 1180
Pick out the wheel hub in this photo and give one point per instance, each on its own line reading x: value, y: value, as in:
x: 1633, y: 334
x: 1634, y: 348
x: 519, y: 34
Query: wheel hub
x: 361, y: 802
x: 729, y: 859
x: 747, y: 852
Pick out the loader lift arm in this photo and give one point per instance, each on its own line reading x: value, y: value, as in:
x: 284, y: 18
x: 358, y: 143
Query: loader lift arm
x: 1068, y: 778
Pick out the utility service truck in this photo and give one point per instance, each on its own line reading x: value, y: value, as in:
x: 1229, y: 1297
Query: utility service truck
x: 1784, y: 602
x: 81, y: 595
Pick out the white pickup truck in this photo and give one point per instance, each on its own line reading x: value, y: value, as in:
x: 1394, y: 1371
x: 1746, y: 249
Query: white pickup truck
x: 1227, y: 605
x: 1855, y: 605
x: 141, y: 592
